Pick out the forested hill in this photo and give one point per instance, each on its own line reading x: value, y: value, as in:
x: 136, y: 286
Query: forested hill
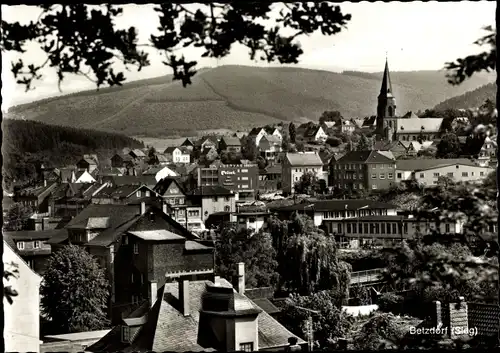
x: 27, y: 143
x: 471, y: 99
x: 31, y: 136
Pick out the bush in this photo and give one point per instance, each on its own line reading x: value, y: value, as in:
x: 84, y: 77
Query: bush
x: 391, y: 303
x: 334, y: 141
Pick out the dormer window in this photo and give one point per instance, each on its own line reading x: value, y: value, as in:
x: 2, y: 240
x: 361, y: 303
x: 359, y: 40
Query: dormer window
x: 125, y: 334
x: 138, y: 193
x: 36, y: 244
x: 20, y: 245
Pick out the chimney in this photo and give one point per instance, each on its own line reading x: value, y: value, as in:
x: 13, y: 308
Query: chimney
x: 241, y: 278
x: 437, y: 314
x: 184, y: 296
x: 154, y: 292
x: 143, y: 207
x: 216, y: 280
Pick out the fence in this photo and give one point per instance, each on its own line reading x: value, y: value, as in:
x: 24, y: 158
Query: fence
x: 362, y: 277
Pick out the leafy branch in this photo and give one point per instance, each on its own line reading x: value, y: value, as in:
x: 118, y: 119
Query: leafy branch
x: 77, y: 36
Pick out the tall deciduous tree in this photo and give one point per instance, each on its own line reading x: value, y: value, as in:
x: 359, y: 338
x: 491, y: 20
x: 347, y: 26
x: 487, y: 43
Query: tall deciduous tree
x: 292, y: 132
x: 67, y: 35
x: 256, y: 251
x: 17, y: 217
x: 449, y: 146
x: 311, y: 261
x: 307, y: 183
x: 363, y: 144
x: 74, y: 291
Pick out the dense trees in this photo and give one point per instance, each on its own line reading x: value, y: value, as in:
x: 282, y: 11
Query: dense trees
x: 248, y: 148
x: 67, y: 33
x: 74, y: 291
x: 17, y: 217
x: 334, y: 116
x: 363, y: 144
x: 256, y: 251
x: 449, y: 146
x: 307, y: 183
x: 292, y: 131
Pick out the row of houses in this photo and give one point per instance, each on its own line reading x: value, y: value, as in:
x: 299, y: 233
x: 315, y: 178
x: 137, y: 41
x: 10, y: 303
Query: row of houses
x: 377, y: 170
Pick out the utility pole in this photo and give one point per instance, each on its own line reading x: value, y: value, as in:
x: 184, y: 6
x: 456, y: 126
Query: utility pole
x: 310, y: 329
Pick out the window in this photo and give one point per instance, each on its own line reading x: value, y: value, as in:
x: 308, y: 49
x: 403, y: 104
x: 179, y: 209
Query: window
x: 354, y: 176
x: 138, y: 193
x: 388, y: 228
x: 471, y: 173
x: 447, y: 228
x: 382, y: 228
x: 390, y: 176
x: 374, y: 166
x: 365, y: 231
x: 422, y: 175
x: 36, y: 244
x: 481, y: 173
x: 450, y: 174
x: 374, y: 187
x: 374, y: 176
x: 246, y: 347
x: 244, y: 178
x: 244, y: 170
x: 125, y: 333
x: 465, y: 174
x: 227, y: 209
x: 136, y: 248
x: 348, y: 228
x: 436, y: 175
x: 148, y: 194
x: 361, y: 186
x: 394, y: 228
x: 400, y: 175
x: 132, y: 280
x: 382, y: 175
x: 20, y: 245
x: 252, y: 219
x: 214, y: 199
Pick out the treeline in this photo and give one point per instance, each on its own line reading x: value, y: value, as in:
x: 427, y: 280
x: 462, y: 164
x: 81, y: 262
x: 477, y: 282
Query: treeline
x: 31, y: 136
x: 472, y: 99
x: 27, y: 144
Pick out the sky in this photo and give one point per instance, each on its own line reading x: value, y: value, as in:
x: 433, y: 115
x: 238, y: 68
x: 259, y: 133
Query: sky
x: 414, y: 35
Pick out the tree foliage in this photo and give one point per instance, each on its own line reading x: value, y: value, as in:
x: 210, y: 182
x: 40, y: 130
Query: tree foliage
x: 307, y: 184
x: 17, y: 217
x: 449, y: 146
x: 74, y: 291
x: 329, y: 324
x: 83, y: 40
x: 461, y: 69
x: 363, y: 144
x: 249, y: 149
x: 329, y: 115
x: 256, y: 251
x: 311, y: 261
x: 10, y: 271
x: 292, y: 131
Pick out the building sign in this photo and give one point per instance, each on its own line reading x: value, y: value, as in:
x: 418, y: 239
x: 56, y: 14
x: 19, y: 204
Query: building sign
x: 226, y: 172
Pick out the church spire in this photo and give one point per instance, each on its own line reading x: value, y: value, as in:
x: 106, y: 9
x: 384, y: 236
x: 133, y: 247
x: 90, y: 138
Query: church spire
x: 386, y: 89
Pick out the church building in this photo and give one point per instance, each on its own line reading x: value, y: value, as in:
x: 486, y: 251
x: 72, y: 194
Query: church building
x: 410, y: 127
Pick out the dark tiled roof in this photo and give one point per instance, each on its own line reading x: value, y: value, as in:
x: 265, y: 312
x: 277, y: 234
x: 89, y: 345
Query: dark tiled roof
x: 162, y: 186
x: 132, y: 180
x: 365, y: 157
x: 485, y: 317
x: 266, y: 305
x: 117, y: 214
x: 187, y: 142
x: 231, y: 141
x: 168, y: 329
x: 34, y: 234
x: 214, y: 190
x: 423, y: 164
x: 337, y: 205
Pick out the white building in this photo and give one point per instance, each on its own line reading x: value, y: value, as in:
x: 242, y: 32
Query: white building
x: 297, y: 164
x: 83, y: 177
x: 160, y: 172
x: 178, y: 154
x: 22, y: 317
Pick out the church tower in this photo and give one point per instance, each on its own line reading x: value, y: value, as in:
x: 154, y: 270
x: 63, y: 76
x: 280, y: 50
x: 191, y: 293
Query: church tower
x: 386, y: 107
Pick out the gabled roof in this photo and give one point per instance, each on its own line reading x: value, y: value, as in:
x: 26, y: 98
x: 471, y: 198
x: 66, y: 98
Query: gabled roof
x: 312, y: 131
x: 187, y: 142
x: 89, y: 161
x: 272, y: 139
x: 27, y: 235
x: 365, y: 157
x: 138, y: 153
x: 231, y: 141
x: 336, y: 205
x: 168, y: 329
x: 148, y: 180
x: 423, y: 164
x: 109, y: 216
x: 157, y: 235
x: 153, y: 170
x: 213, y: 139
x: 170, y: 150
x: 162, y: 186
x: 162, y: 158
x: 417, y: 125
x: 304, y: 159
x: 124, y: 157
x: 214, y: 190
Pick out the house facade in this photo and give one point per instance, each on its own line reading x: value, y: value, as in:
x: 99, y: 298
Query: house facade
x: 87, y: 164
x: 22, y: 316
x: 362, y: 170
x: 213, y: 199
x: 270, y: 147
x: 230, y: 144
x: 428, y: 171
x: 178, y: 154
x: 295, y: 165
